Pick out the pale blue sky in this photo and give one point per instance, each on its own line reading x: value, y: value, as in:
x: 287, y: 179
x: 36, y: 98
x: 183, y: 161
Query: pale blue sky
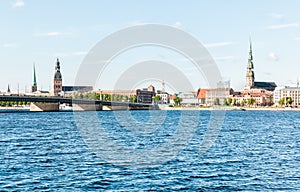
x: 37, y: 32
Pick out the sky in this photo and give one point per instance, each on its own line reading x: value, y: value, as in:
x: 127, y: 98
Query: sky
x: 37, y: 32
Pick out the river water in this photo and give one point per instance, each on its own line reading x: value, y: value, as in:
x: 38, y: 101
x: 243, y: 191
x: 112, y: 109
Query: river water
x: 254, y: 150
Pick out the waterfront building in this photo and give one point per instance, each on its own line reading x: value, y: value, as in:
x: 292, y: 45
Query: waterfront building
x: 277, y: 95
x: 57, y: 82
x: 123, y: 95
x: 201, y: 96
x: 260, y: 97
x: 145, y: 95
x: 293, y: 92
x: 34, y: 85
x: 171, y: 97
x: 188, y: 98
x: 250, y: 77
x: 218, y: 96
x: 164, y: 96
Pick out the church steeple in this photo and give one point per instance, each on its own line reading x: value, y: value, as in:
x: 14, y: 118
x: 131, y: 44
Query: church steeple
x: 57, y: 66
x: 34, y: 85
x: 57, y: 83
x: 8, y: 89
x: 250, y: 67
x: 34, y: 76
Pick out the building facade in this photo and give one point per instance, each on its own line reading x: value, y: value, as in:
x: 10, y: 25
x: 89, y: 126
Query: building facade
x: 145, y: 95
x: 57, y: 82
x: 277, y: 95
x: 164, y: 97
x: 188, y: 98
x: 217, y: 96
x: 201, y: 96
x: 293, y: 93
x: 259, y: 97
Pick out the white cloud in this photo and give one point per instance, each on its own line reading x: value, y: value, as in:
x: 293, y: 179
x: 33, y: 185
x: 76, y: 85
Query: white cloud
x: 272, y: 56
x: 218, y: 44
x: 18, y: 3
x: 297, y: 38
x: 283, y: 26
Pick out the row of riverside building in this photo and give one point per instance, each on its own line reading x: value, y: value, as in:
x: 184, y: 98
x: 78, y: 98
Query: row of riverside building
x: 255, y: 93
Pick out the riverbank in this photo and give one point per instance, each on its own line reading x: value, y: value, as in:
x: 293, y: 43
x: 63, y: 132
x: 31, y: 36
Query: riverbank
x: 233, y: 108
x: 15, y: 108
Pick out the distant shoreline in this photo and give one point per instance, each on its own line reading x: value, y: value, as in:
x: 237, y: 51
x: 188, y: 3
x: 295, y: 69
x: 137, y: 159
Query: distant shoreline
x: 191, y: 108
x: 233, y: 108
x: 15, y: 108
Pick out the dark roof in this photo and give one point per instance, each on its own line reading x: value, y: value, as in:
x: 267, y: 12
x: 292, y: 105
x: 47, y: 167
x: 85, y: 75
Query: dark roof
x: 265, y: 85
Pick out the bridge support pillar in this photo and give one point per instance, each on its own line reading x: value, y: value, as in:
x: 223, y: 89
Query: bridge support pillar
x: 87, y: 107
x: 44, y: 107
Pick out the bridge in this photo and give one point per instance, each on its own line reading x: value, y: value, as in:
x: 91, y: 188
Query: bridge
x: 52, y: 103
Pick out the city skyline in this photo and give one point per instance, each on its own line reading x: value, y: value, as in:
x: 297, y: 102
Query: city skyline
x: 39, y: 32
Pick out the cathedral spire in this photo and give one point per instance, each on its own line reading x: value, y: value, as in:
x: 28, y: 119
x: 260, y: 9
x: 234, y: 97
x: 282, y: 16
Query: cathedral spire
x: 57, y: 82
x: 34, y: 76
x: 250, y: 66
x: 34, y: 85
x: 8, y: 89
x: 57, y: 66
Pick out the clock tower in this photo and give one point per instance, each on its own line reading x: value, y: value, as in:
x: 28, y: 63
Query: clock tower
x: 57, y: 82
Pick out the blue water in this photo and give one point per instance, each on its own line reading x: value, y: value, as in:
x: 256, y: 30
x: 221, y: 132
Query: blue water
x: 255, y: 150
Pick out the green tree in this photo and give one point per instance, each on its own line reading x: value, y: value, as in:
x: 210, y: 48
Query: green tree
x: 157, y: 98
x: 243, y: 102
x: 250, y: 101
x: 229, y: 101
x: 125, y: 98
x: 281, y: 101
x: 133, y: 99
x: 177, y: 100
x: 234, y: 102
x: 217, y: 101
x: 289, y: 100
x: 286, y: 101
x: 225, y: 102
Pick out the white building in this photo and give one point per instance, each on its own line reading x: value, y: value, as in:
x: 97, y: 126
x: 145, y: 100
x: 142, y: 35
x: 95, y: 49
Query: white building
x: 188, y: 98
x: 164, y: 97
x: 293, y: 92
x: 217, y: 96
x: 277, y: 95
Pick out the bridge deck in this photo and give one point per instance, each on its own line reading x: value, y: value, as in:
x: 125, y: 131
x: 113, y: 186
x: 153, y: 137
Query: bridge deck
x: 69, y: 101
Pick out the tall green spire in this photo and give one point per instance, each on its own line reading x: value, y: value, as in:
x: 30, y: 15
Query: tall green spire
x: 34, y: 76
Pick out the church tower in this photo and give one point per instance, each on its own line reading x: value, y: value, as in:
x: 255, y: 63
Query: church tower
x: 57, y: 83
x: 250, y: 72
x: 34, y: 85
